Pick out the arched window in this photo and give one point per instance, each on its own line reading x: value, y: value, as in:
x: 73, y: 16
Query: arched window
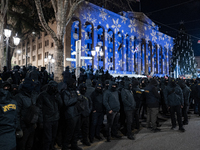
x: 149, y: 57
x: 110, y: 49
x: 160, y: 59
x: 155, y: 58
x: 100, y: 42
x: 143, y: 51
x: 119, y: 52
x: 128, y: 57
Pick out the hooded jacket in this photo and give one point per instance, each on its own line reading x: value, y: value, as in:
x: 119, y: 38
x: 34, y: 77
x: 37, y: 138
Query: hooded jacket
x: 97, y: 99
x: 25, y: 98
x: 137, y: 93
x: 66, y: 74
x: 111, y: 99
x: 173, y: 95
x: 151, y: 94
x: 34, y: 74
x: 186, y: 92
x: 70, y: 99
x: 8, y: 118
x: 85, y: 102
x: 90, y: 89
x: 49, y: 103
x: 127, y: 97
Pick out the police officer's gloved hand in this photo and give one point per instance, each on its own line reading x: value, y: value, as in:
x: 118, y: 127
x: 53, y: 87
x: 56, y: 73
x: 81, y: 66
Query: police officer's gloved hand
x: 19, y: 134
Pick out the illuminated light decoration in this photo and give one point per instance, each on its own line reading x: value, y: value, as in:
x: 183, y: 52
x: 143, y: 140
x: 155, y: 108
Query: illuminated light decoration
x: 131, y: 55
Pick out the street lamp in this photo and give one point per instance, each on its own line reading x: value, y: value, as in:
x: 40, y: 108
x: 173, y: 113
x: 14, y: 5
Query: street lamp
x: 16, y: 40
x: 51, y: 60
x: 99, y: 53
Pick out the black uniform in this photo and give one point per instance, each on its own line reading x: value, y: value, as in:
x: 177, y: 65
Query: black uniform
x: 97, y: 112
x: 49, y: 103
x: 111, y: 102
x: 152, y: 101
x: 129, y: 106
x: 71, y: 115
x: 8, y: 117
x: 174, y: 100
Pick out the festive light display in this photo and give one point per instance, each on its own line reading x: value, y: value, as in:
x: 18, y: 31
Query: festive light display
x: 131, y: 42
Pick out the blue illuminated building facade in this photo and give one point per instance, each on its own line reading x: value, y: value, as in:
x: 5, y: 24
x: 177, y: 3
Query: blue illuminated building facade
x: 131, y: 42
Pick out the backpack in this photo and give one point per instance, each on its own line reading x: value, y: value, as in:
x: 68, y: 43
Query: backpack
x: 32, y: 115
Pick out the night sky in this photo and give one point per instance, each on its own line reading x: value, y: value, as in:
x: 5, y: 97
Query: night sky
x: 168, y: 19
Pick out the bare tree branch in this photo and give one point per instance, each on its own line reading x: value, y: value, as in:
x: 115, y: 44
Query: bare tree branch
x: 73, y: 7
x: 43, y: 21
x: 5, y: 9
x: 54, y: 4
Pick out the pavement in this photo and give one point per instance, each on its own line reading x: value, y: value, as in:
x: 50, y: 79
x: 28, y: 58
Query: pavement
x: 166, y: 139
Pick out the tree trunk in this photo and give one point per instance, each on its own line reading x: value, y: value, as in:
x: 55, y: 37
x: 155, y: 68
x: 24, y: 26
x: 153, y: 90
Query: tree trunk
x: 2, y: 60
x: 58, y: 61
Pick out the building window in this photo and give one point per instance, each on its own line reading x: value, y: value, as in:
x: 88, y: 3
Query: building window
x: 23, y: 61
x: 45, y: 34
x: 47, y: 43
x: 23, y: 44
x: 33, y: 40
x: 39, y: 45
x: 33, y: 58
x: 15, y: 55
x: 28, y: 60
x: 23, y: 52
x: 19, y: 62
x: 39, y: 56
x: 46, y: 54
x: 34, y: 47
x: 28, y: 42
x: 15, y: 62
x: 52, y: 44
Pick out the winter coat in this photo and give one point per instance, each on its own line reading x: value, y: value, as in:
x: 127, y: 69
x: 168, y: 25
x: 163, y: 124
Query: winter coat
x: 66, y: 74
x: 151, y: 94
x: 70, y: 100
x: 8, y: 118
x: 173, y: 95
x: 138, y: 95
x: 97, y: 101
x: 49, y: 104
x: 24, y: 101
x: 87, y: 104
x: 186, y: 95
x: 34, y: 74
x: 127, y: 97
x: 90, y: 89
x: 111, y: 99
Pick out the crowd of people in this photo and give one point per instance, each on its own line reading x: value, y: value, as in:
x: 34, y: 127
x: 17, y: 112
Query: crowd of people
x: 39, y: 113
